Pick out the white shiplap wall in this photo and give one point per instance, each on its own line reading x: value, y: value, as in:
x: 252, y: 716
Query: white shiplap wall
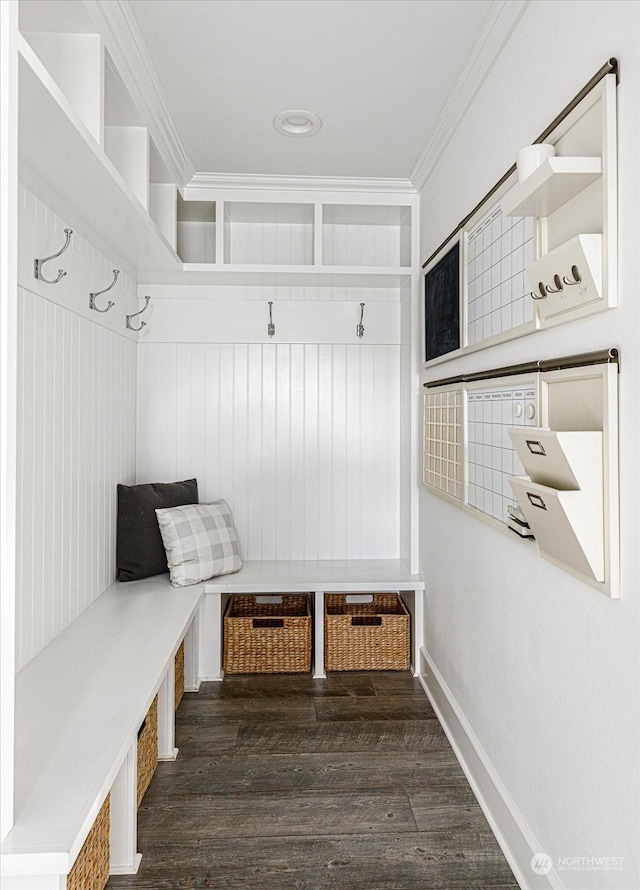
x: 302, y: 440
x: 76, y: 441
x: 76, y: 416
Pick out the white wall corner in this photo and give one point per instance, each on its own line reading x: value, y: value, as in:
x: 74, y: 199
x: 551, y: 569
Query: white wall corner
x: 498, y: 27
x: 125, y: 44
x: 301, y: 183
x: 516, y: 839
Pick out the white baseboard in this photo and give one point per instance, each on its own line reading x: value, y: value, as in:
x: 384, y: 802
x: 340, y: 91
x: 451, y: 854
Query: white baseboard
x: 127, y: 869
x: 516, y: 839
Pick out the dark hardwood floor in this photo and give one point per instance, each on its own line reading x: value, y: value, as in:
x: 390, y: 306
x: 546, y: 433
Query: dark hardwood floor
x: 287, y: 782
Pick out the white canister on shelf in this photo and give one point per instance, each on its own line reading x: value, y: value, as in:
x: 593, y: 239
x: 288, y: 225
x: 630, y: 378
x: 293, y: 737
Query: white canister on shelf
x: 531, y: 157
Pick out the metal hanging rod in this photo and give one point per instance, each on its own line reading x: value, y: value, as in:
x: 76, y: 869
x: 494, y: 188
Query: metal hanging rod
x: 581, y: 360
x: 134, y: 314
x: 360, y: 325
x: 38, y: 264
x: 610, y: 67
x: 110, y: 304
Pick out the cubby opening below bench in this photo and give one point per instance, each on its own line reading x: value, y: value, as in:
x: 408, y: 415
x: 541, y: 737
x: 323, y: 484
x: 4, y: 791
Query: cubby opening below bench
x: 307, y: 576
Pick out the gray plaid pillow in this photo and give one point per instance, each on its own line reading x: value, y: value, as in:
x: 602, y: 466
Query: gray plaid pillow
x: 200, y: 542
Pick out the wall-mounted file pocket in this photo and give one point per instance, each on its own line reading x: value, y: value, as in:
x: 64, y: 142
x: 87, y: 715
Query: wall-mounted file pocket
x: 563, y: 460
x: 568, y: 525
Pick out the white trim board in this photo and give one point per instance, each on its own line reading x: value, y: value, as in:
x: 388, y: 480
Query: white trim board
x: 301, y: 183
x: 512, y: 832
x: 498, y: 27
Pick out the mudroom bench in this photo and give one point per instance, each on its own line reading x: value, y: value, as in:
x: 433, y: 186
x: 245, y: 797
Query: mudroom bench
x: 79, y: 706
x: 307, y: 576
x: 81, y: 702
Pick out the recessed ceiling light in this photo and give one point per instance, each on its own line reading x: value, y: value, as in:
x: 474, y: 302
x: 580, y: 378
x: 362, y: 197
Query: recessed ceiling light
x: 297, y: 123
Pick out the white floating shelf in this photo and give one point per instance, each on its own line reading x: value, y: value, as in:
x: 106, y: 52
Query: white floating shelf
x: 553, y: 184
x: 581, y: 255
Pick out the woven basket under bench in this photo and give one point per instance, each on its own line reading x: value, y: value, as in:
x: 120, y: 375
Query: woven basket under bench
x: 371, y: 636
x: 147, y: 749
x: 267, y: 637
x: 179, y: 676
x: 90, y: 871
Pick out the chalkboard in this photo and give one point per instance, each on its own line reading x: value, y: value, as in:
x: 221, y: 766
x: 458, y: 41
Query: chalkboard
x: 442, y: 305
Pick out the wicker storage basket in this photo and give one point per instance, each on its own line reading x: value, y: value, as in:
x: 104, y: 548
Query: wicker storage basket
x: 179, y: 674
x: 371, y: 636
x: 267, y: 638
x: 90, y: 871
x: 147, y: 749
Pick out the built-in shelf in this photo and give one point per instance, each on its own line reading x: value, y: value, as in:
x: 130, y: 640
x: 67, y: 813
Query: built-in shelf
x: 196, y: 232
x: 291, y: 276
x: 268, y: 234
x: 82, y: 175
x: 366, y: 235
x: 552, y: 185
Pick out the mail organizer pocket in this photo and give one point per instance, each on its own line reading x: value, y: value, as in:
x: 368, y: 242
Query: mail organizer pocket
x: 568, y: 525
x: 564, y: 460
x: 567, y: 277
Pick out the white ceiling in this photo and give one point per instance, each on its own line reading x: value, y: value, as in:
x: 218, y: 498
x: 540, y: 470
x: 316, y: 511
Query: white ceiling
x: 376, y: 71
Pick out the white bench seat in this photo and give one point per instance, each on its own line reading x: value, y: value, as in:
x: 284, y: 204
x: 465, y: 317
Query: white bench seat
x: 79, y: 705
x: 81, y: 701
x: 307, y: 576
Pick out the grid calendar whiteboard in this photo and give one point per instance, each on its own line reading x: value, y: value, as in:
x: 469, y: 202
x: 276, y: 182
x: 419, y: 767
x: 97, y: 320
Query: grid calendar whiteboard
x: 491, y: 455
x: 498, y: 250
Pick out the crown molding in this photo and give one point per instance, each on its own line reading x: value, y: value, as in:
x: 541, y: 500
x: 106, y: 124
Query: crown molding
x: 498, y: 27
x: 301, y: 183
x: 125, y: 44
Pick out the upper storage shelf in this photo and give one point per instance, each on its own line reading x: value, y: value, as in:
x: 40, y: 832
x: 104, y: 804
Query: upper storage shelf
x: 63, y: 161
x: 366, y: 235
x: 353, y: 244
x: 268, y: 234
x: 552, y: 185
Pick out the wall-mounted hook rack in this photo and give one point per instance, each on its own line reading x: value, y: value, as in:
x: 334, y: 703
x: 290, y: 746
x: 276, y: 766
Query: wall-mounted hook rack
x: 134, y: 314
x: 110, y: 304
x: 545, y: 289
x: 360, y: 325
x: 271, y: 328
x: 38, y: 264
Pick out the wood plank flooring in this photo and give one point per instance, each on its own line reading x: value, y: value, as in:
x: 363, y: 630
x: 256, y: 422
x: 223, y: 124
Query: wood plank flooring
x: 289, y: 783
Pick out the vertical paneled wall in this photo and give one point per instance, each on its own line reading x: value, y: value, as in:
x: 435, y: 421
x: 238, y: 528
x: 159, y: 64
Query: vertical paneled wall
x: 76, y: 432
x: 302, y: 440
x: 76, y: 441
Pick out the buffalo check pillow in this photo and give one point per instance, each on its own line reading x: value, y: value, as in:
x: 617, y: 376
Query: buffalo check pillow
x: 200, y: 541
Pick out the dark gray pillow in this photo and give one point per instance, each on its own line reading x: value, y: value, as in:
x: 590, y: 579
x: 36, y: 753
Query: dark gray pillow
x: 139, y: 548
